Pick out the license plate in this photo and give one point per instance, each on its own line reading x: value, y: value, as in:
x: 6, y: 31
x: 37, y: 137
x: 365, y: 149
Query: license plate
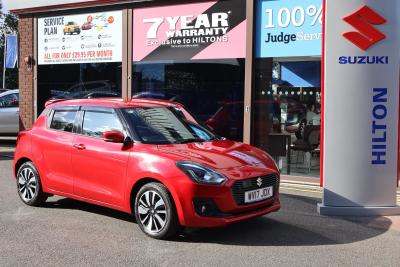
x: 258, y: 194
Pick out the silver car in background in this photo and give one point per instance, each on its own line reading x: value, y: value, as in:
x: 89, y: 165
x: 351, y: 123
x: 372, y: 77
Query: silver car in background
x: 9, y: 112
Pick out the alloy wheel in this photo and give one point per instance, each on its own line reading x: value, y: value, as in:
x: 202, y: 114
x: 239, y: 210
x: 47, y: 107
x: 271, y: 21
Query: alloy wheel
x: 27, y: 184
x: 152, y: 212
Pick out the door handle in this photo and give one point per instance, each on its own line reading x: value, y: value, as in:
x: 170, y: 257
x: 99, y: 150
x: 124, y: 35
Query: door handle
x: 80, y: 146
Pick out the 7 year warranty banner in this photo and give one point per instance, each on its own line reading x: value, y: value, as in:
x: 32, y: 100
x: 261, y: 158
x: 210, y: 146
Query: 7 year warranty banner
x: 84, y: 38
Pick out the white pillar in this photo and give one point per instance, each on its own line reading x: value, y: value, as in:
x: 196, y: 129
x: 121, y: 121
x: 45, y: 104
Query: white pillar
x: 361, y: 108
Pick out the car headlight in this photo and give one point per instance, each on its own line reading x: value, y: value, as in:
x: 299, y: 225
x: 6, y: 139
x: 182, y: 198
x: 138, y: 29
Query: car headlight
x: 200, y: 174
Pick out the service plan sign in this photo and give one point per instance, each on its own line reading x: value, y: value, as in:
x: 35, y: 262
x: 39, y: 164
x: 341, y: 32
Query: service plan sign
x: 84, y: 38
x: 288, y: 28
x: 206, y: 30
x: 361, y: 107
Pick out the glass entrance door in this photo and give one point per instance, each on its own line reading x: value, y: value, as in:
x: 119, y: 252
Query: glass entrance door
x: 286, y: 112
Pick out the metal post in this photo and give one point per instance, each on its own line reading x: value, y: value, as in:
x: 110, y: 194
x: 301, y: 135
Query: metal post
x: 4, y: 61
x: 248, y: 80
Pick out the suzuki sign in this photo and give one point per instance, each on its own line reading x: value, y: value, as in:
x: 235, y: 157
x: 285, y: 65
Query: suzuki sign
x: 362, y: 20
x: 361, y: 107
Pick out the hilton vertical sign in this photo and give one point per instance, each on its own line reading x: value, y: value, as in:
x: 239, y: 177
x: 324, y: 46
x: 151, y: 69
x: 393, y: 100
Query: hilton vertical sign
x: 361, y: 107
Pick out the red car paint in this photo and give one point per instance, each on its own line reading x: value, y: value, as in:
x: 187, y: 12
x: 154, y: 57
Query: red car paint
x: 103, y: 173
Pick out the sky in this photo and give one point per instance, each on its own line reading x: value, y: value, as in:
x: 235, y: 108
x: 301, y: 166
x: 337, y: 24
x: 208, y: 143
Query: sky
x: 5, y: 10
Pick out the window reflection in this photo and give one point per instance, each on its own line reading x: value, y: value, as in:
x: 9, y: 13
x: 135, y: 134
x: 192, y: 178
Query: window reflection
x: 9, y: 101
x: 70, y: 81
x: 212, y: 90
x: 97, y: 123
x: 286, y: 105
x: 63, y: 121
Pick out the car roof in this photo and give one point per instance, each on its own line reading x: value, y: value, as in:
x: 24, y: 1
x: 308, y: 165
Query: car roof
x: 112, y: 102
x: 14, y: 91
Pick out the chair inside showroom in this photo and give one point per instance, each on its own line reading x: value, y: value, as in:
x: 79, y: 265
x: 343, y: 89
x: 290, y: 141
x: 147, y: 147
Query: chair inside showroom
x: 308, y: 144
x: 277, y: 147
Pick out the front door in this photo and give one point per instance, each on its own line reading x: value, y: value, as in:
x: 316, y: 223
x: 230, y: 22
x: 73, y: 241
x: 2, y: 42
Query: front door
x: 99, y: 166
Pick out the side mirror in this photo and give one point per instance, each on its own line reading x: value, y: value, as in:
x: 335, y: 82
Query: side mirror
x: 113, y: 137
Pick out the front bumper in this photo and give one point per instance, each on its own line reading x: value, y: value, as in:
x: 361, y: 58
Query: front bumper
x: 225, y: 219
x: 221, y: 205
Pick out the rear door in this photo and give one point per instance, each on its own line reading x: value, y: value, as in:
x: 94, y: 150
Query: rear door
x: 99, y: 167
x: 9, y: 113
x: 55, y: 142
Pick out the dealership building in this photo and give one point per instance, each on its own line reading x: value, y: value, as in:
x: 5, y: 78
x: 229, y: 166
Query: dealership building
x: 313, y: 82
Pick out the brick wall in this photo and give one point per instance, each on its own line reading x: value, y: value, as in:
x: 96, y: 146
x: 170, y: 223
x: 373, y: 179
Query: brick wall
x: 25, y: 75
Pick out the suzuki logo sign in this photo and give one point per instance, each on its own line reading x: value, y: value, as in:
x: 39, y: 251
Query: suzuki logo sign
x: 362, y: 20
x: 259, y: 181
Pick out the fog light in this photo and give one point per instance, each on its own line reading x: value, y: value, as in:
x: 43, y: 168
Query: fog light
x: 206, y: 207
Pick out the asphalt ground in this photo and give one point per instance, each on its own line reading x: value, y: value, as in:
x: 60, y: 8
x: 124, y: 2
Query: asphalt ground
x: 66, y: 232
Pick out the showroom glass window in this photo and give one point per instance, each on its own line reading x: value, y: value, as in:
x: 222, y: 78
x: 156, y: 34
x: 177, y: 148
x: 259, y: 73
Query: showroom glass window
x: 287, y: 83
x: 79, y: 56
x: 212, y: 90
x: 197, y: 60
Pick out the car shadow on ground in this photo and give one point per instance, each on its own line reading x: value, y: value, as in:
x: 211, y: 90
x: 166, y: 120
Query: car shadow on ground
x: 296, y: 224
x: 72, y: 204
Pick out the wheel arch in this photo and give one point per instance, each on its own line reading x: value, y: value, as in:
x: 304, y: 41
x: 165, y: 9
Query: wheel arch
x: 19, y: 163
x: 141, y: 182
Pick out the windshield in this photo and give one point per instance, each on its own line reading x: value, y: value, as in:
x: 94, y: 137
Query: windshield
x: 162, y: 125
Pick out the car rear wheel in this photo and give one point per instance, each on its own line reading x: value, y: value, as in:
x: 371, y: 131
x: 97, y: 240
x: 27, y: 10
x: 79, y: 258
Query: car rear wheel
x: 29, y: 185
x: 155, y: 211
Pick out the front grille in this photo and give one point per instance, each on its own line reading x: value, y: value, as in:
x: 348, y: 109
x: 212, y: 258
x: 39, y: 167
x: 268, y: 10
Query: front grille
x: 242, y: 186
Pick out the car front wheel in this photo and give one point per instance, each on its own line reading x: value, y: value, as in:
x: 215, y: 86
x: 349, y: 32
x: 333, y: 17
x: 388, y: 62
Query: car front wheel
x: 155, y: 212
x: 29, y: 185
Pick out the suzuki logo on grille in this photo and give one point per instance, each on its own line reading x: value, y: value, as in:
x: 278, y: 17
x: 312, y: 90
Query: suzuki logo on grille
x: 259, y: 181
x: 362, y: 20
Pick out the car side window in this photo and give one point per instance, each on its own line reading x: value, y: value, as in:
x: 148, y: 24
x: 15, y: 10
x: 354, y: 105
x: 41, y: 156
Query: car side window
x: 9, y: 101
x: 63, y: 120
x: 95, y: 123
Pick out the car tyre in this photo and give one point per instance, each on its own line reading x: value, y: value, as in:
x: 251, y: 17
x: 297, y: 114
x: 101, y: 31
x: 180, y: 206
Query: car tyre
x: 29, y: 185
x: 155, y: 211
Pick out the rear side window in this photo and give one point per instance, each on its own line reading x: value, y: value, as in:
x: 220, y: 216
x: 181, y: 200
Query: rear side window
x: 63, y: 120
x: 96, y: 123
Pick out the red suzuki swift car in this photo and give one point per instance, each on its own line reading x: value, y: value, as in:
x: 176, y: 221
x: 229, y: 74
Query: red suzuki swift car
x: 146, y: 157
